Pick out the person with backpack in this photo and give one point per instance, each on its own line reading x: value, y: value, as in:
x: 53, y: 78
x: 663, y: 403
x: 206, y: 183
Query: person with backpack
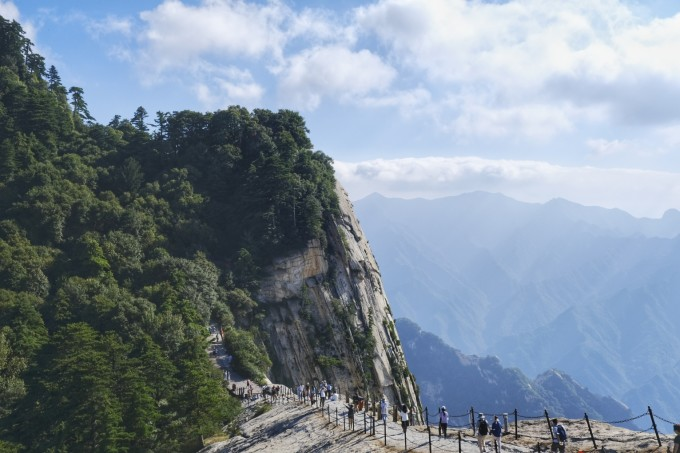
x: 559, y: 437
x: 443, y: 420
x: 482, y: 432
x: 497, y: 432
x: 350, y: 416
x: 404, y: 417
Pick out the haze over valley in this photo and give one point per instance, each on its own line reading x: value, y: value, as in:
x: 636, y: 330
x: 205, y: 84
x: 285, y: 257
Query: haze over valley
x: 585, y: 290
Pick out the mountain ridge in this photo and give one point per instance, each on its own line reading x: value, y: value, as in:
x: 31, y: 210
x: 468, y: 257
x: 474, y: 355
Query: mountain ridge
x: 492, y: 275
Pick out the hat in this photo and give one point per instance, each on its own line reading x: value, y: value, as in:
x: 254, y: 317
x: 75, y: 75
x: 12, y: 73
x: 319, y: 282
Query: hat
x: 481, y: 415
x: 443, y: 408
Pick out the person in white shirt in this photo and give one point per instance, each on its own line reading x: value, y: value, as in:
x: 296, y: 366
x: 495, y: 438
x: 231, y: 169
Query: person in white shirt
x: 404, y: 417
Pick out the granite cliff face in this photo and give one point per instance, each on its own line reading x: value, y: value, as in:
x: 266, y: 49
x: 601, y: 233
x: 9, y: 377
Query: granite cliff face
x: 327, y: 317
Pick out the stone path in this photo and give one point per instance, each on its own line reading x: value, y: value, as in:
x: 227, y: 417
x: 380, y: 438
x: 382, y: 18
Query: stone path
x: 222, y: 360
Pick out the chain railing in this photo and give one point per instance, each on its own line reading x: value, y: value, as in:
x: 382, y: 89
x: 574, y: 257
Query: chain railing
x: 371, y: 424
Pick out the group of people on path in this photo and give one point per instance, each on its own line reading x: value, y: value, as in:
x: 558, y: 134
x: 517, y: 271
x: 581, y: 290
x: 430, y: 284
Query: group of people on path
x: 357, y: 405
x: 322, y: 393
x: 483, y: 431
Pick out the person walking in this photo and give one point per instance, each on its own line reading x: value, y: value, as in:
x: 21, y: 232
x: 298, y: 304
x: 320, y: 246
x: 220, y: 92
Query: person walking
x: 676, y: 441
x: 322, y: 395
x: 497, y: 432
x: 482, y: 432
x: 404, y: 417
x: 383, y: 409
x: 559, y: 437
x: 350, y: 416
x: 443, y: 420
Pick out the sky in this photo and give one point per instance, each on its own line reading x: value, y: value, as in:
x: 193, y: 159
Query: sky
x: 535, y: 99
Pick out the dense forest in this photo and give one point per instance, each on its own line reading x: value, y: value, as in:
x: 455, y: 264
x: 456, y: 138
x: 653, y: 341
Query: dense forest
x: 120, y: 242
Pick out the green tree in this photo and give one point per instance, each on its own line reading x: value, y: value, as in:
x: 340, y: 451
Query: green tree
x: 72, y: 404
x: 139, y: 119
x: 80, y: 110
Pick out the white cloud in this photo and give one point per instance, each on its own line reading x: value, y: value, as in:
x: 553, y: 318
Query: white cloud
x: 336, y: 72
x: 111, y: 24
x: 522, y: 68
x: 177, y: 34
x: 9, y: 11
x: 639, y: 192
x: 526, y: 56
x: 218, y: 87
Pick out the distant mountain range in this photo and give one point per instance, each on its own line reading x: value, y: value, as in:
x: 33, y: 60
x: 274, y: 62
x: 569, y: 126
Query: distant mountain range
x: 448, y: 377
x: 587, y: 290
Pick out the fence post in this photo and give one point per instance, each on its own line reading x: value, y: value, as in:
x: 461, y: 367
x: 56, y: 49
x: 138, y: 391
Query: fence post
x: 472, y: 419
x: 427, y: 424
x: 364, y: 422
x: 516, y: 432
x: 505, y: 423
x: 336, y: 416
x: 651, y: 415
x: 385, y: 430
x: 405, y: 448
x: 590, y: 430
x: 460, y: 443
x: 547, y: 418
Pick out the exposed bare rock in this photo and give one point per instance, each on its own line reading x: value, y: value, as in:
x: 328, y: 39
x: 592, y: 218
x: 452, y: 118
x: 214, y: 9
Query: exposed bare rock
x: 328, y: 316
x: 300, y: 428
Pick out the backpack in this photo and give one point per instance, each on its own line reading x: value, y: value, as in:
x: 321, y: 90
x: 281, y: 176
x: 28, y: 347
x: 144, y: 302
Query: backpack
x: 561, y: 433
x: 483, y: 427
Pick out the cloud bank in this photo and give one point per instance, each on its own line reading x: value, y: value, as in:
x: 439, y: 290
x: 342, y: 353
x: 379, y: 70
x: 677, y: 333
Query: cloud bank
x: 638, y: 192
x: 525, y: 68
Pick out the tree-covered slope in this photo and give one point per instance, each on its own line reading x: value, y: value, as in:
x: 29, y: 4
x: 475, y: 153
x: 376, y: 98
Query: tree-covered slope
x: 119, y: 242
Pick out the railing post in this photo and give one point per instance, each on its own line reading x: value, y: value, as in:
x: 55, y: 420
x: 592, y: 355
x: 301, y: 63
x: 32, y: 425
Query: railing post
x: 336, y: 416
x: 460, y: 442
x: 590, y: 430
x: 547, y: 418
x: 472, y: 419
x: 651, y: 415
x: 385, y: 430
x: 516, y: 432
x: 427, y: 424
x: 364, y: 422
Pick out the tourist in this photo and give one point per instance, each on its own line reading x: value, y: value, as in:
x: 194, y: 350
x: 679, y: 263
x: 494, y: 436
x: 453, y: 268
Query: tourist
x: 404, y: 417
x: 497, y: 432
x: 482, y: 432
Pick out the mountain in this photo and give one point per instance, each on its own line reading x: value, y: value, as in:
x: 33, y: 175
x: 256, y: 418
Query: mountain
x: 448, y: 377
x: 326, y: 316
x: 587, y: 290
x: 120, y: 245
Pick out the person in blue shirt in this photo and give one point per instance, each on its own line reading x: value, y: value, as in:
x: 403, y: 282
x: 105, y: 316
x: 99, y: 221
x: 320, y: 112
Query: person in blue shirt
x: 497, y: 432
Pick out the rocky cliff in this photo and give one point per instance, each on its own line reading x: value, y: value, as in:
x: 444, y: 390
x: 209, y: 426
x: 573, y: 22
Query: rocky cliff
x: 327, y: 317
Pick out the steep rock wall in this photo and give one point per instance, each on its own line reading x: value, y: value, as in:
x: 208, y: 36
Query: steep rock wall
x: 328, y: 317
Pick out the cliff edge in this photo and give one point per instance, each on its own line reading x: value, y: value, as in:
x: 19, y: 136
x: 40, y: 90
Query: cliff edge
x: 328, y: 318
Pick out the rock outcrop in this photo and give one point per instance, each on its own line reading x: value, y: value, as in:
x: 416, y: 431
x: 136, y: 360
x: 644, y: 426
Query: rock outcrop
x: 327, y: 317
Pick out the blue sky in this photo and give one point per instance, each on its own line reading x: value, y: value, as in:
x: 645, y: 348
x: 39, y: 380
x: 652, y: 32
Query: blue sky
x: 535, y: 99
